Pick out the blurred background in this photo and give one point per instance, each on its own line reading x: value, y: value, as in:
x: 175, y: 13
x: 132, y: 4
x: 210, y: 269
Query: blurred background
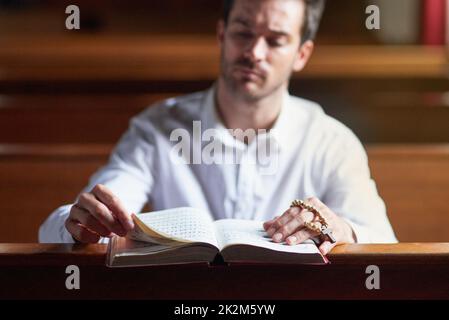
x: 66, y: 96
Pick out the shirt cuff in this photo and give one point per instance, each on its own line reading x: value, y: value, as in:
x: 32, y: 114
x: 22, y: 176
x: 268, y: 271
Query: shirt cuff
x: 66, y: 236
x: 361, y: 232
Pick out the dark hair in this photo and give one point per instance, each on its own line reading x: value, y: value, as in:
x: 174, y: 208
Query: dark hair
x: 314, y: 11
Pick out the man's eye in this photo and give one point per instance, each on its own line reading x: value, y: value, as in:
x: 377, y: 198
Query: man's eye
x: 276, y: 42
x: 244, y: 35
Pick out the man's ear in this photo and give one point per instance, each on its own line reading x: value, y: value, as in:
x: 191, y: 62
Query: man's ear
x: 220, y: 31
x: 303, y: 55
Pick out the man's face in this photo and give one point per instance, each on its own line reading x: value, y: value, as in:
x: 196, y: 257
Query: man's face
x: 260, y: 46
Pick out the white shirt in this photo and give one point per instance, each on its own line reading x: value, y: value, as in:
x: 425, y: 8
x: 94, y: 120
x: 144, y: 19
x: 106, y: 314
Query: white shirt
x: 313, y: 155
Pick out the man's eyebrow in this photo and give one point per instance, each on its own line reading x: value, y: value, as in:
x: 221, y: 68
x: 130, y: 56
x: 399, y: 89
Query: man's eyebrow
x: 242, y: 21
x: 280, y: 33
x: 247, y: 23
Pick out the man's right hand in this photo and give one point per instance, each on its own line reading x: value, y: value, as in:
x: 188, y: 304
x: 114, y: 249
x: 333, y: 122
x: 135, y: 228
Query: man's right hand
x: 96, y: 214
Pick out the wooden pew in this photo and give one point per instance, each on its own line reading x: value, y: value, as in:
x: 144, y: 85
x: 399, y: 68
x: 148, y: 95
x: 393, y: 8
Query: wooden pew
x: 407, y: 271
x: 190, y: 57
x: 393, y: 116
x: 413, y: 180
x: 414, y: 183
x: 381, y: 117
x: 69, y: 118
x: 37, y: 179
x: 188, y: 62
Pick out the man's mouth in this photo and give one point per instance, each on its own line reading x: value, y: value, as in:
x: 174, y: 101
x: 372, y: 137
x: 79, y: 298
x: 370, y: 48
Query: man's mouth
x: 250, y: 72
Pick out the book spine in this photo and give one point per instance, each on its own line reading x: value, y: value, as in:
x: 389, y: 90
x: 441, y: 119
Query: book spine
x: 434, y: 22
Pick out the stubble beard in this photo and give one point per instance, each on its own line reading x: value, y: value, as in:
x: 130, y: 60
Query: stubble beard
x: 234, y: 86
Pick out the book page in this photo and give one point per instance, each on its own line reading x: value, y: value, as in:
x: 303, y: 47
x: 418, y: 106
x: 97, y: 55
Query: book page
x: 248, y: 232
x: 124, y: 252
x: 179, y: 224
x: 128, y: 247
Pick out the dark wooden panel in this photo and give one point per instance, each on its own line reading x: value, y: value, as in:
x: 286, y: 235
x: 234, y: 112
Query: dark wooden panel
x: 69, y: 118
x: 35, y: 181
x: 392, y: 116
x: 407, y: 271
x: 414, y: 182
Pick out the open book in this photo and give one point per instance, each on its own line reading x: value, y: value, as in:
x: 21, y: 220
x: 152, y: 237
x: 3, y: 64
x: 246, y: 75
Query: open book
x: 188, y: 235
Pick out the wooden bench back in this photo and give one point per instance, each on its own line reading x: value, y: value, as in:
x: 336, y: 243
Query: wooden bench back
x: 35, y: 180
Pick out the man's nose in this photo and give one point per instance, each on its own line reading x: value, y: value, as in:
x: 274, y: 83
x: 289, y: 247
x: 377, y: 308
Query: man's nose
x: 258, y: 49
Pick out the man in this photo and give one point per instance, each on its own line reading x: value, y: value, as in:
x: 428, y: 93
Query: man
x: 312, y: 156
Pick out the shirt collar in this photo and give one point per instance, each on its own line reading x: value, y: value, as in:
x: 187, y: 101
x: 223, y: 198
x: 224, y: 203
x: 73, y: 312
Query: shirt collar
x: 287, y: 124
x: 284, y: 128
x: 210, y: 119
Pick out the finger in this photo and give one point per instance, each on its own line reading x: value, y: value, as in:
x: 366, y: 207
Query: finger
x: 315, y: 202
x: 295, y: 223
x: 326, y: 247
x: 300, y: 236
x: 88, y: 202
x: 268, y: 223
x: 114, y: 204
x: 80, y: 232
x: 86, y: 219
x: 282, y: 220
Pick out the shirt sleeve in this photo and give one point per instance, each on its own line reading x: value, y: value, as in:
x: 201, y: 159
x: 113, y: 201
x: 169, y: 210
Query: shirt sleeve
x: 351, y: 192
x: 129, y: 174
